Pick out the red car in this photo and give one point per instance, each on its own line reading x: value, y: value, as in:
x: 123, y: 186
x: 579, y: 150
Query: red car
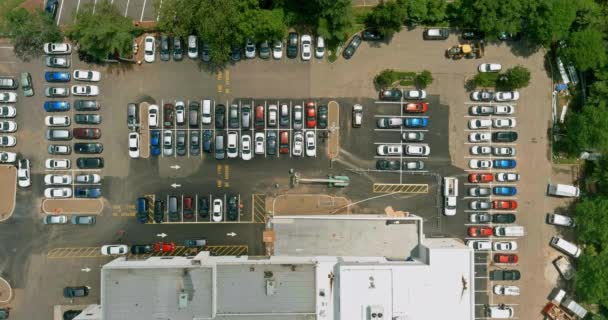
x: 311, y: 115
x: 480, y: 231
x: 504, y: 204
x: 284, y: 142
x: 258, y: 121
x: 164, y: 247
x: 416, y: 107
x: 480, y: 177
x: 168, y: 116
x: 505, y: 258
x: 87, y: 133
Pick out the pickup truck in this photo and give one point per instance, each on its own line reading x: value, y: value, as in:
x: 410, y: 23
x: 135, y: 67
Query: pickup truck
x: 505, y: 275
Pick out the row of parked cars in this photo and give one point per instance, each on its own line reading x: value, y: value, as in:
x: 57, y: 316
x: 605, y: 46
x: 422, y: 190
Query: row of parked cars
x: 8, y: 112
x: 188, y: 208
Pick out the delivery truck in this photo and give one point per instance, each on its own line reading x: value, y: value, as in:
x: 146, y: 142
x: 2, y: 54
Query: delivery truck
x: 563, y: 190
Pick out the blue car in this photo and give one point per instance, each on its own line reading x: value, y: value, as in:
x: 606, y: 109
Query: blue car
x: 416, y: 122
x: 87, y: 192
x: 504, y: 163
x: 56, y: 106
x: 155, y: 143
x: 505, y: 191
x: 57, y: 76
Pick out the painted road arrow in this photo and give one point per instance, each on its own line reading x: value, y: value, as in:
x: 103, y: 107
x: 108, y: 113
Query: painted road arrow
x: 175, y: 185
x: 176, y: 167
x: 231, y: 234
x: 162, y: 235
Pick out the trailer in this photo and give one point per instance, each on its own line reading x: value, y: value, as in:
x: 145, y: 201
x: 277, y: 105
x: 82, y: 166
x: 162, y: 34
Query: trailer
x: 555, y: 312
x: 564, y: 267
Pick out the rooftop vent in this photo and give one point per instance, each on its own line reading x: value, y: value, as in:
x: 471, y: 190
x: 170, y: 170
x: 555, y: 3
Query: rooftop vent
x: 270, y: 287
x: 375, y: 312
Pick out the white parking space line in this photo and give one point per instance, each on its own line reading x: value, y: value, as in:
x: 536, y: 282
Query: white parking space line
x: 388, y: 102
x: 143, y: 9
x: 126, y: 7
x: 61, y: 10
x: 398, y: 116
x: 159, y: 8
x: 94, y: 5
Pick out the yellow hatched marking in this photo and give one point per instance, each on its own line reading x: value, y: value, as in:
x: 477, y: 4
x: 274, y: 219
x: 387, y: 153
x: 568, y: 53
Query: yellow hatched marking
x: 400, y: 188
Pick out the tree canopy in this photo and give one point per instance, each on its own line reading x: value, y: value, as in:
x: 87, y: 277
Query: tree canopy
x: 387, y: 17
x: 29, y: 31
x: 103, y: 32
x: 586, y: 49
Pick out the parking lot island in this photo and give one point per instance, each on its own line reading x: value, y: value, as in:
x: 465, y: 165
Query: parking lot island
x: 8, y: 191
x: 63, y: 206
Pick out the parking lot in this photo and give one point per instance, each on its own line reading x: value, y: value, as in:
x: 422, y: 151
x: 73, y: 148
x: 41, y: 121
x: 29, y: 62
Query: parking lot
x: 137, y: 10
x: 261, y: 83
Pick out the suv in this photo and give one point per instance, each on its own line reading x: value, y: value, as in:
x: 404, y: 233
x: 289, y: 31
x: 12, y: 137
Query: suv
x: 504, y: 136
x: 89, y: 163
x: 8, y: 83
x: 26, y: 84
x: 165, y: 54
x: 233, y: 208
x: 233, y: 116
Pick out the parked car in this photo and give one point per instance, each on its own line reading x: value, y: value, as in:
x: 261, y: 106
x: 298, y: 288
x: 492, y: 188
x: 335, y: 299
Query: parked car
x: 8, y: 126
x: 7, y: 157
x: 507, y: 176
x: 480, y: 191
x: 479, y: 231
x: 292, y: 45
x: 504, y: 204
x: 86, y: 105
x: 503, y: 109
x: 8, y: 141
x: 87, y: 75
x: 23, y: 173
x: 489, y: 67
x: 412, y: 136
x: 142, y: 249
x: 220, y: 116
x: 149, y: 49
x: 481, y: 110
x: 277, y: 50
x: 271, y: 143
x: 88, y: 90
x: 57, y: 61
x: 503, y: 290
x: 90, y: 163
x: 259, y: 143
x: 297, y: 117
x: 415, y: 107
x: 311, y: 118
x: 357, y: 115
x: 51, y: 92
x: 322, y: 117
x: 232, y: 212
x: 416, y: 122
x: 57, y: 48
x: 55, y: 219
x: 504, y: 123
x: 87, y: 133
x: 195, y: 145
x: 168, y: 115
x: 59, y: 149
x: 389, y: 150
x: 391, y: 94
x: 502, y: 96
x: 504, y: 151
x: 250, y: 49
x: 88, y: 178
x: 311, y: 143
x: 505, y: 246
x: 114, y: 250
x: 57, y: 179
x: 482, y: 95
x: 57, y: 164
x: 75, y: 292
x: 481, y: 217
x: 472, y: 34
x: 56, y: 106
x: 88, y: 148
x: 479, y: 245
x: 134, y: 145
x: 161, y: 247
x: 388, y: 164
x: 435, y: 34
x: 480, y: 137
x: 180, y: 143
x: 83, y: 220
x: 504, y: 163
x: 178, y: 50
x: 205, y: 52
x: 417, y: 149
x: 414, y: 94
x: 218, y: 210
x: 413, y: 165
x: 504, y: 191
x: 504, y: 136
x: 57, y: 76
x: 505, y: 258
x: 8, y: 111
x: 165, y: 54
x: 306, y: 42
x: 480, y: 124
x: 480, y: 205
x: 192, y: 47
x: 371, y: 35
x: 320, y: 48
x: 481, y: 150
x: 350, y: 50
x: 246, y: 147
x: 480, y: 164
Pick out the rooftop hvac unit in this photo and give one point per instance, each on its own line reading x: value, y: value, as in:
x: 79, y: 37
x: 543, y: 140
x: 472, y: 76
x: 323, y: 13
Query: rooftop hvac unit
x: 375, y: 312
x: 270, y: 287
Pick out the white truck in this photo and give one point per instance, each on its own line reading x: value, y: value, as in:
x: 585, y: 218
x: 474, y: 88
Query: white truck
x: 563, y: 190
x: 450, y: 194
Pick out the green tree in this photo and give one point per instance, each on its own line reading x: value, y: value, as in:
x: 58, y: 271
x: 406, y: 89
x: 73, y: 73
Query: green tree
x: 424, y: 78
x: 220, y: 24
x: 586, y: 130
x: 29, y: 31
x: 335, y: 19
x: 387, y: 17
x: 516, y: 77
x: 178, y: 17
x: 436, y: 11
x: 417, y: 11
x: 551, y: 21
x: 591, y: 217
x: 104, y: 32
x: 586, y: 49
x: 590, y: 281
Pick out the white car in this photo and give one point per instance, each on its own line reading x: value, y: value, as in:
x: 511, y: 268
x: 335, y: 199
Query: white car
x: 246, y: 147
x: 417, y: 150
x: 481, y: 110
x: 55, y: 219
x: 507, y: 177
x: 57, y: 121
x: 134, y: 145
x: 311, y: 144
x: 480, y: 245
x: 114, y: 249
x: 57, y: 48
x: 259, y: 143
x: 489, y: 67
x: 501, y: 290
x: 503, y: 109
x: 54, y: 92
x: 298, y: 144
x: 57, y: 164
x: 480, y: 123
x: 57, y: 179
x: 481, y: 150
x: 505, y: 246
x: 480, y: 137
x: 306, y: 42
x: 217, y: 210
x: 232, y: 144
x: 500, y: 312
x: 57, y: 62
x: 483, y: 95
x: 85, y: 90
x: 23, y: 173
x: 8, y: 97
x: 480, y: 164
x: 504, y: 151
x: 153, y: 116
x: 8, y: 141
x: 192, y: 47
x: 57, y: 193
x: 87, y: 75
x: 250, y: 50
x: 7, y: 157
x: 277, y: 49
x: 8, y: 112
x: 389, y: 150
x: 88, y: 178
x: 414, y: 94
x: 504, y: 123
x: 320, y: 50
x: 167, y: 143
x: 150, y: 49
x: 180, y: 112
x: 502, y: 96
x: 8, y: 126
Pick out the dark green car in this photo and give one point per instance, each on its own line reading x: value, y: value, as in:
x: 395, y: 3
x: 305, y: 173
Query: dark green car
x: 233, y: 208
x: 322, y: 117
x: 504, y: 136
x: 82, y: 118
x: 89, y: 163
x: 503, y: 218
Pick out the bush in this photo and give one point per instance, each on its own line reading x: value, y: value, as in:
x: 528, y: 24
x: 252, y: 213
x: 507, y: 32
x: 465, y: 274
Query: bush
x: 486, y: 79
x: 388, y: 77
x: 515, y: 78
x: 385, y: 78
x: 424, y: 79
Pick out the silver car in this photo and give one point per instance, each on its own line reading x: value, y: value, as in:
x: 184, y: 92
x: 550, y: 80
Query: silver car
x: 168, y: 143
x: 55, y: 219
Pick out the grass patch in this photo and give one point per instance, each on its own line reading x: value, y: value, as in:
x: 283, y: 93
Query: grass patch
x: 388, y: 77
x: 564, y: 160
x: 5, y: 7
x: 406, y: 83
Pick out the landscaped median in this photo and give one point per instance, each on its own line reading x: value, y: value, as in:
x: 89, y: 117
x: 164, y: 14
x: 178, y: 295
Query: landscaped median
x: 8, y: 191
x: 390, y: 78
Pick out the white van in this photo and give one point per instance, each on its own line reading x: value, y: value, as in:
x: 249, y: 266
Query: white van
x: 206, y: 112
x: 566, y: 247
x: 232, y: 146
x: 450, y: 192
x: 563, y: 190
x: 560, y: 220
x: 500, y: 312
x: 509, y: 231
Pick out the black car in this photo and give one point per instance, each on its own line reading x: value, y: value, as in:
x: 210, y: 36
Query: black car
x: 203, y: 207
x: 233, y: 208
x: 71, y: 314
x: 88, y: 148
x: 87, y: 192
x: 235, y: 54
x: 271, y: 143
x: 89, y: 163
x: 292, y: 45
x: 220, y: 116
x: 205, y: 52
x: 471, y: 34
x: 504, y: 136
x: 51, y: 8
x: 180, y: 143
x: 322, y: 117
x: 208, y: 141
x: 372, y: 35
x: 508, y: 36
x: 178, y: 50
x: 83, y: 118
x: 75, y: 292
x: 193, y: 112
x: 165, y: 52
x: 159, y: 209
x: 388, y: 165
x: 132, y: 116
x: 141, y: 248
x: 503, y: 218
x: 86, y: 105
x: 195, y: 143
x: 233, y: 116
x: 350, y: 50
